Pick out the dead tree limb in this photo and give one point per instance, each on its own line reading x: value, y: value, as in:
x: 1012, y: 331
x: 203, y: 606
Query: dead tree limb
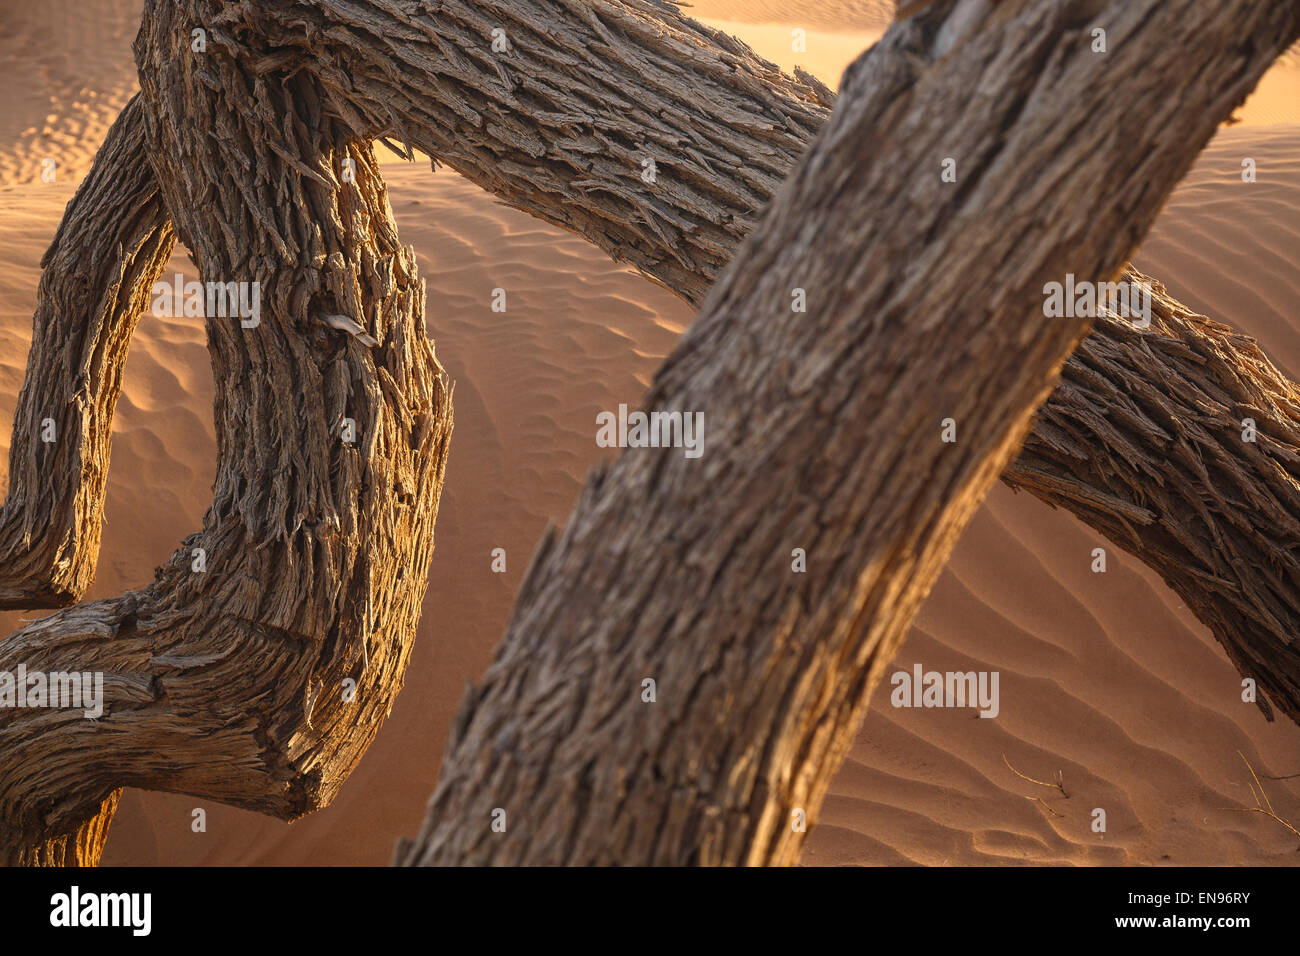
x: 259, y: 679
x: 113, y: 242
x: 1181, y: 444
x: 924, y: 303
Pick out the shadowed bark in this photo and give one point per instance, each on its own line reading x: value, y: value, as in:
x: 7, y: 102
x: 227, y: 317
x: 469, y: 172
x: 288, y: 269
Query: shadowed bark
x: 232, y: 683
x: 924, y: 303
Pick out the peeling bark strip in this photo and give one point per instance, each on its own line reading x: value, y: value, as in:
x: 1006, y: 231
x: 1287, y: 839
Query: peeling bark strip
x: 113, y: 242
x: 928, y: 305
x: 229, y: 684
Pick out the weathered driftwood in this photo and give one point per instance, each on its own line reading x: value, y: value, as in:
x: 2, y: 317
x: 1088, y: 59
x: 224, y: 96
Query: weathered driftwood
x: 823, y: 434
x: 232, y: 683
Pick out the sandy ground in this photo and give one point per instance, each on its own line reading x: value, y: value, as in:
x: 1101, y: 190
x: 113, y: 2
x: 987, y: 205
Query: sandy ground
x: 1105, y: 679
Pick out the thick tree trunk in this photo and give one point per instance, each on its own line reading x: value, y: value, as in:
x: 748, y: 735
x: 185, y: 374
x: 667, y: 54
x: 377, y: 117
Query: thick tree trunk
x: 823, y: 433
x: 260, y: 681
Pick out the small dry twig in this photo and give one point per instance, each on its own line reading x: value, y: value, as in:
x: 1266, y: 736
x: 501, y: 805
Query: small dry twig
x: 1046, y: 807
x: 1059, y: 784
x: 1262, y: 803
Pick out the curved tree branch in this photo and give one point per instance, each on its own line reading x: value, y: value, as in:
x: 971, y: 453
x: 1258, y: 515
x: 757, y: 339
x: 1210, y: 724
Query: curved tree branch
x: 113, y: 243
x: 1144, y: 440
x: 260, y: 678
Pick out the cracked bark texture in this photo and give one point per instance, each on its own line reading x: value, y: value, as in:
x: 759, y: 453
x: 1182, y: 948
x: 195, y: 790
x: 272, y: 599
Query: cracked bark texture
x: 558, y: 126
x: 230, y: 684
x: 112, y: 245
x: 1144, y: 439
x: 924, y: 303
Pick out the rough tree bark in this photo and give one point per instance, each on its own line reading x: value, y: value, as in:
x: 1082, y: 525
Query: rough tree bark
x: 924, y: 303
x: 1143, y: 439
x: 573, y: 110
x: 230, y: 684
x: 113, y: 242
x: 557, y: 126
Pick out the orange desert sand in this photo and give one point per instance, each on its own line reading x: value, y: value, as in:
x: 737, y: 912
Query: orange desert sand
x: 1105, y: 678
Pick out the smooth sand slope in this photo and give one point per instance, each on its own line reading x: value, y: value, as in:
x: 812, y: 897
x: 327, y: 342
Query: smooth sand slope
x: 1105, y: 678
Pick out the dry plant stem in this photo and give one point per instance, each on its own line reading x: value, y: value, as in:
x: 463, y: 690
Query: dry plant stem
x: 230, y: 684
x: 823, y: 434
x: 1043, y: 803
x: 1058, y: 784
x: 1262, y: 803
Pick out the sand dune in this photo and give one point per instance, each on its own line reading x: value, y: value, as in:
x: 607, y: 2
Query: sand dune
x: 1217, y: 234
x: 833, y: 17
x: 1105, y: 678
x: 68, y: 71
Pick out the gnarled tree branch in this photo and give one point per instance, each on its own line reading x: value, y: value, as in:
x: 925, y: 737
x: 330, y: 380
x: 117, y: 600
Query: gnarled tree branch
x: 261, y: 677
x: 113, y: 243
x: 559, y: 126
